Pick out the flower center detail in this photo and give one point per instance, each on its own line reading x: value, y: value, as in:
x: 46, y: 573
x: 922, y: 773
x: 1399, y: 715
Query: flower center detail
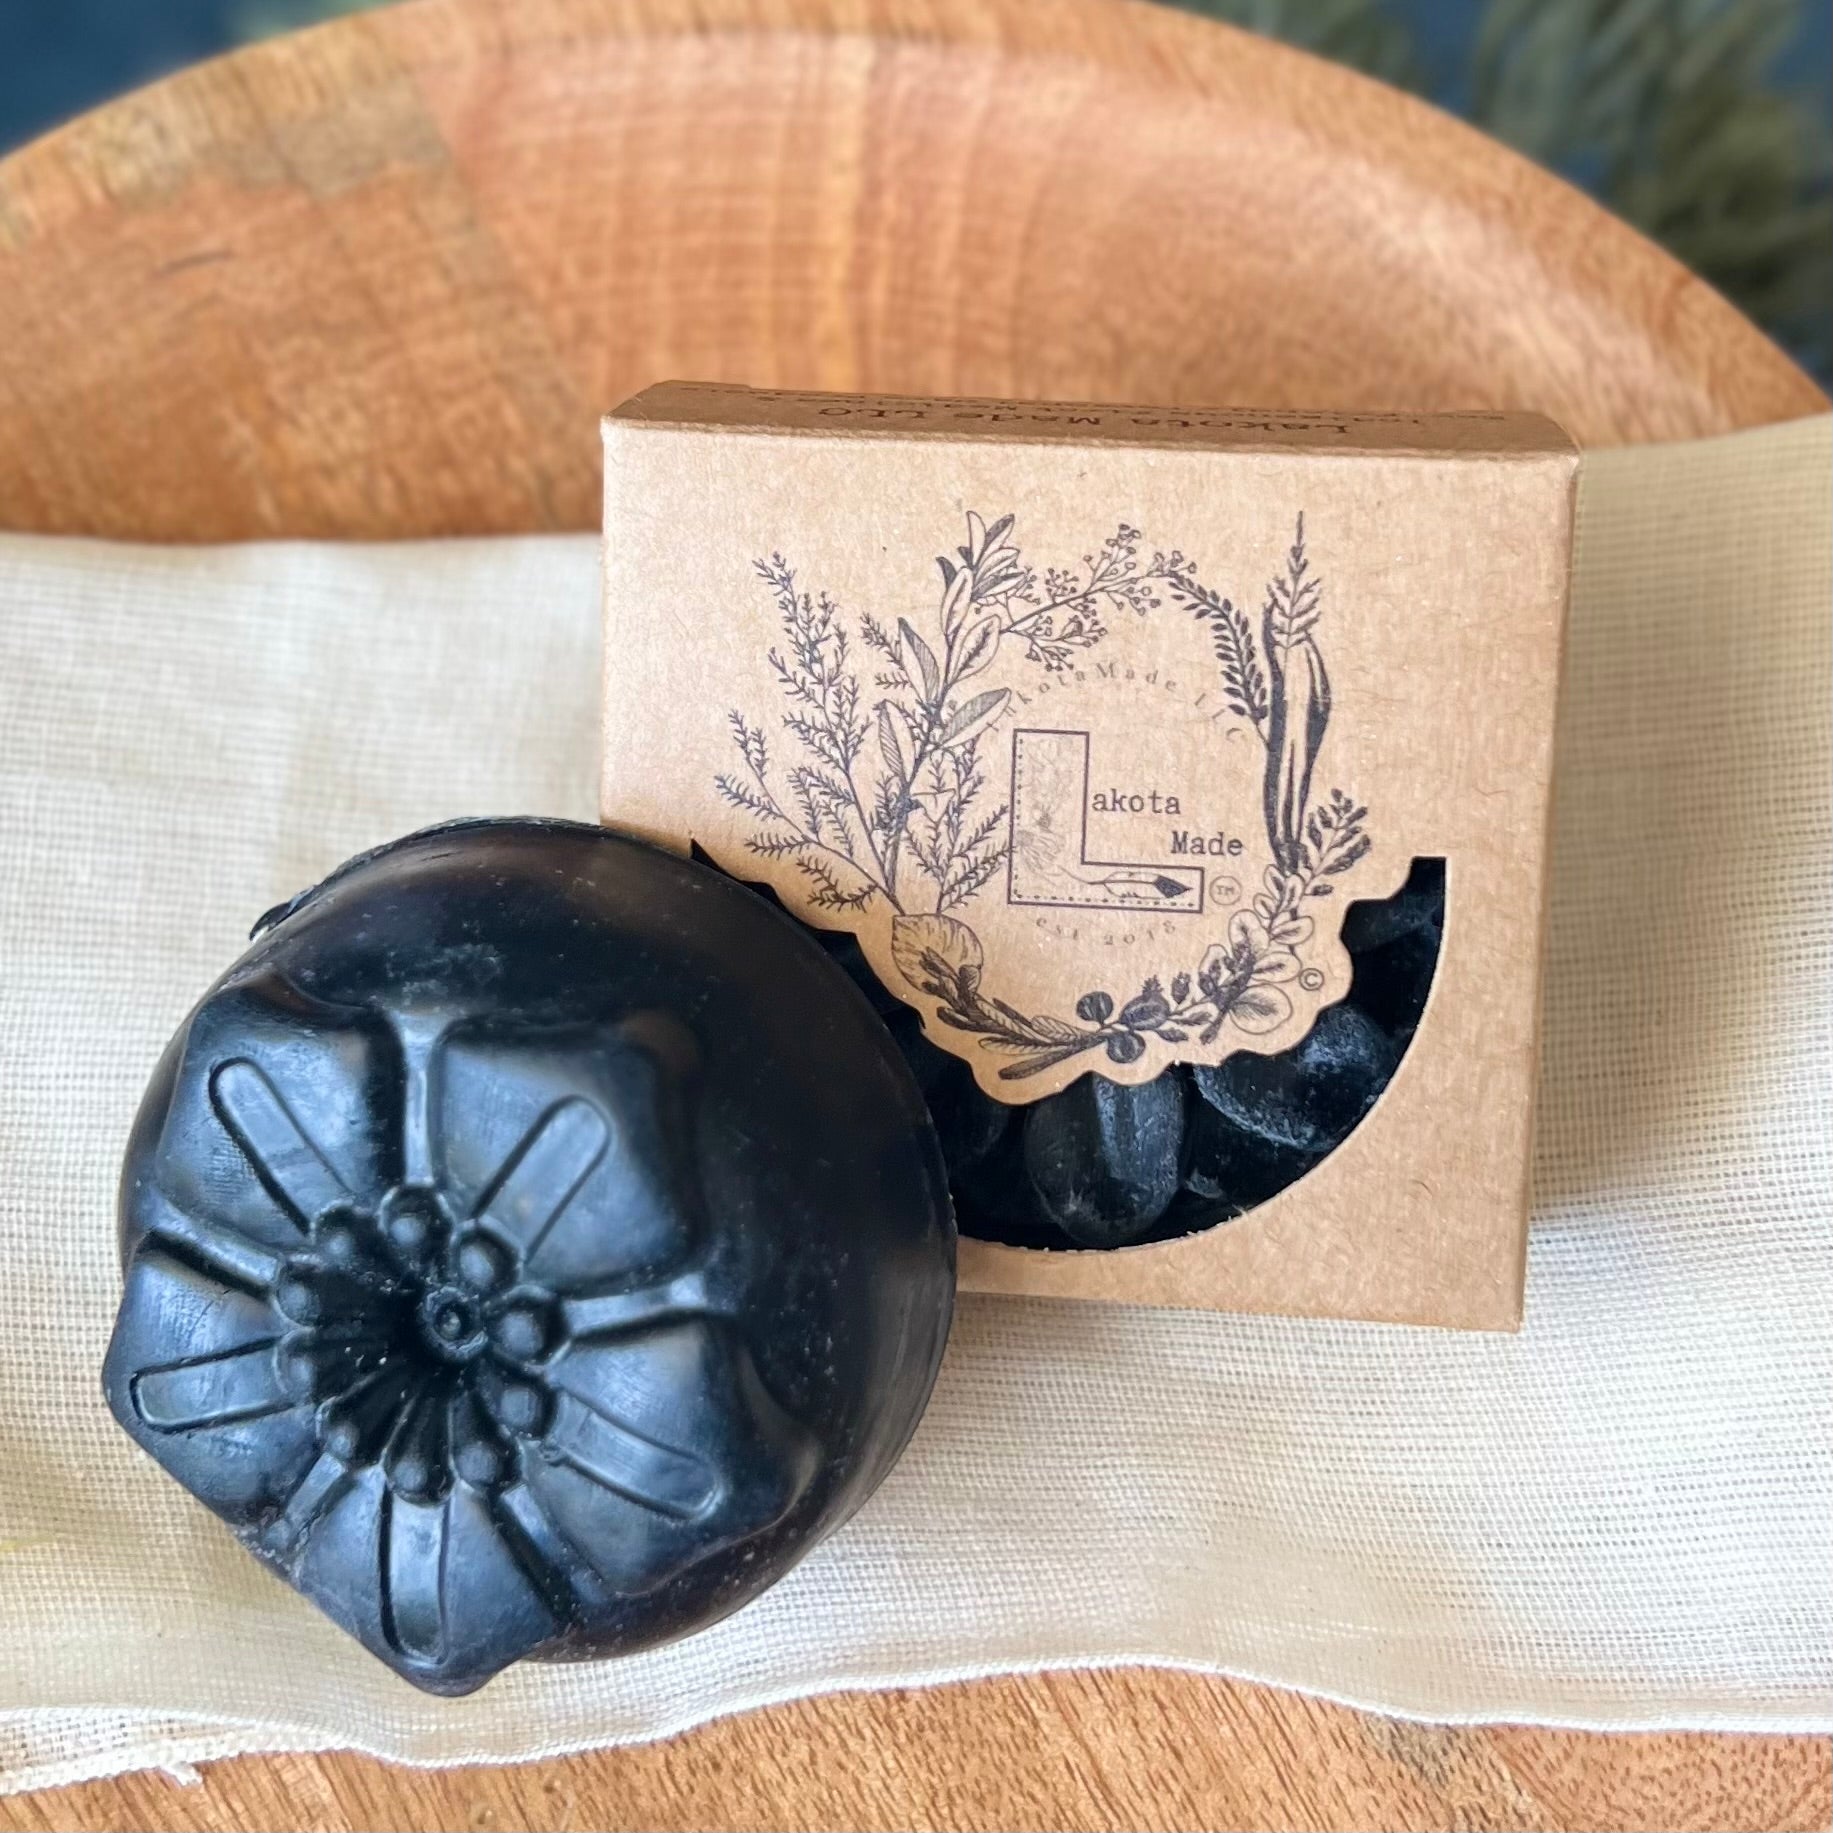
x: 452, y: 1323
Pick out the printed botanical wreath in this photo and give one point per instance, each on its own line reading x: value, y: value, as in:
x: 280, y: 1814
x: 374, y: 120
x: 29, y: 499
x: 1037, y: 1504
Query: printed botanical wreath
x: 886, y: 803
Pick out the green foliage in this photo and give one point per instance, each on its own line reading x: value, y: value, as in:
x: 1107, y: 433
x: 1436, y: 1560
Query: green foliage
x: 1668, y: 109
x: 1677, y: 114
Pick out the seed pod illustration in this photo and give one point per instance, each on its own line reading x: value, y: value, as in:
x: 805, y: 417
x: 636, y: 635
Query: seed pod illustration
x: 1300, y: 709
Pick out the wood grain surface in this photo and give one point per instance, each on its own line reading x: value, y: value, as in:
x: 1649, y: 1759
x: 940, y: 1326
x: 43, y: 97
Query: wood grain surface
x: 380, y: 279
x: 1135, y: 1749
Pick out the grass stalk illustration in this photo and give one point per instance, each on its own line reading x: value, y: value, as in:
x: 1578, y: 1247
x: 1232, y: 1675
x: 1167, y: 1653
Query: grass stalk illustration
x: 890, y: 800
x: 1300, y: 709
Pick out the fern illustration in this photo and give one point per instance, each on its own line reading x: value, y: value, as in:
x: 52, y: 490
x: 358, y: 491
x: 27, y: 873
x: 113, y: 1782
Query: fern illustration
x: 1244, y: 681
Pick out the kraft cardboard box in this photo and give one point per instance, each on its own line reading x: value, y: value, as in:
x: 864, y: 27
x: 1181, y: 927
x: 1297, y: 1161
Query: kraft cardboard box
x: 1090, y: 723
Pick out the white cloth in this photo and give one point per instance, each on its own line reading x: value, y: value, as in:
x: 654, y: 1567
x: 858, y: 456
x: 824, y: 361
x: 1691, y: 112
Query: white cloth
x: 1622, y: 1517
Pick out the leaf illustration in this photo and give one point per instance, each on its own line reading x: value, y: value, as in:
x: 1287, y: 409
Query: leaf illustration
x: 1244, y: 682
x: 978, y: 648
x: 969, y: 720
x: 997, y: 578
x: 920, y: 942
x: 1036, y: 1065
x: 1294, y: 603
x: 1276, y: 964
x: 925, y: 657
x: 1292, y: 930
x: 889, y: 745
x: 956, y: 600
x: 899, y: 781
x: 1242, y: 677
x: 1260, y: 1009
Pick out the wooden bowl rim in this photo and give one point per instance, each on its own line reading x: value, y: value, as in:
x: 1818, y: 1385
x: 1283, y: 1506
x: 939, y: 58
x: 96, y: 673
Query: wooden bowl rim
x: 1140, y: 39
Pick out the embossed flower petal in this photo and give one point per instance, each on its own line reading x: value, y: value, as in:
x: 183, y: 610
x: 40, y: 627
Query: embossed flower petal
x: 415, y: 1461
x: 356, y: 1425
x: 345, y: 1289
x: 481, y: 1455
x: 226, y: 1107
x: 524, y: 1324
x: 431, y: 1586
x: 664, y: 1448
x: 479, y: 1262
x: 195, y: 1375
x: 582, y: 1187
x: 319, y: 1365
x: 1102, y: 1157
x: 519, y: 1407
x: 413, y: 1225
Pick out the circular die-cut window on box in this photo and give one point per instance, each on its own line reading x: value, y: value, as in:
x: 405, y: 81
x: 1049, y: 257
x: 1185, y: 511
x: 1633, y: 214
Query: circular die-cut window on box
x: 1106, y: 1165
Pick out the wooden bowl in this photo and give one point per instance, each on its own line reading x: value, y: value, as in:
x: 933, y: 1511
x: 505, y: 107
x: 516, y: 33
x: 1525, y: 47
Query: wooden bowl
x: 380, y: 279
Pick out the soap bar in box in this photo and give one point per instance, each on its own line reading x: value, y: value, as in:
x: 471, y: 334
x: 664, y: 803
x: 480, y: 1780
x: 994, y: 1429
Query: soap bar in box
x: 1098, y: 1165
x: 1090, y: 725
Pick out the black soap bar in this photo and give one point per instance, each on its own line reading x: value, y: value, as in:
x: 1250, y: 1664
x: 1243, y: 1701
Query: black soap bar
x: 1103, y: 1157
x: 1418, y: 905
x: 533, y: 1245
x: 1251, y: 1127
x: 1391, y: 983
x: 1308, y: 1097
x: 1236, y: 1167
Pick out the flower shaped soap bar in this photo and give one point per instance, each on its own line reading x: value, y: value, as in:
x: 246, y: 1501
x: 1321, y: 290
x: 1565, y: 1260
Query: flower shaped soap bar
x: 533, y: 1245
